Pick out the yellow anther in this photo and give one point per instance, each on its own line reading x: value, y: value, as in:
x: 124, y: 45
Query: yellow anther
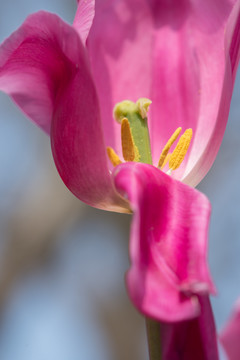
x: 137, y: 155
x: 180, y: 150
x: 167, y: 147
x: 128, y: 146
x: 167, y: 158
x: 113, y: 157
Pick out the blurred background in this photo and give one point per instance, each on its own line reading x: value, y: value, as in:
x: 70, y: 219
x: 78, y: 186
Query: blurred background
x: 62, y: 263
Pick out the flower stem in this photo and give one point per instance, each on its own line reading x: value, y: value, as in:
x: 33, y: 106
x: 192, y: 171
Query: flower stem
x: 154, y: 339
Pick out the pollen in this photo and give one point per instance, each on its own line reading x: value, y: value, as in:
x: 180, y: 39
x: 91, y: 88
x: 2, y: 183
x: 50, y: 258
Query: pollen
x: 180, y: 150
x: 166, y: 148
x: 128, y: 146
x: 113, y: 157
x: 166, y: 160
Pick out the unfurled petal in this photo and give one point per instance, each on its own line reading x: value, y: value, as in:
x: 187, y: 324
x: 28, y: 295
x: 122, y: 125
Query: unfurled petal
x: 43, y: 66
x: 177, y: 53
x: 168, y: 243
x: 84, y: 18
x: 230, y: 335
x: 191, y: 339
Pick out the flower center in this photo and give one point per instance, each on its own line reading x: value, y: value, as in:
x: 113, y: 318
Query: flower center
x: 135, y: 137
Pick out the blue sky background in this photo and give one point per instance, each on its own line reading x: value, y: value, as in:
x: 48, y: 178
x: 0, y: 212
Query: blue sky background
x: 74, y: 305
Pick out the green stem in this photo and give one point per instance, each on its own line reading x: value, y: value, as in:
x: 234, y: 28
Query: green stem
x: 154, y: 339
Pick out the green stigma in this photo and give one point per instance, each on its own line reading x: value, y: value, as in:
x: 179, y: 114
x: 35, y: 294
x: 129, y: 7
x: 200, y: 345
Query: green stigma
x: 135, y: 114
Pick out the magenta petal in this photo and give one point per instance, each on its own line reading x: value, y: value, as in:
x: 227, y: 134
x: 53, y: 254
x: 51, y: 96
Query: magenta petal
x: 77, y: 141
x: 35, y: 62
x: 230, y: 335
x: 168, y: 242
x: 45, y: 70
x: 84, y: 18
x: 192, y: 339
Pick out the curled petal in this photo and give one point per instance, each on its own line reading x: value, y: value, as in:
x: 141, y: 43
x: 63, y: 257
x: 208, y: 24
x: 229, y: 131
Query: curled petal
x: 191, y: 339
x: 35, y: 62
x: 168, y: 243
x: 43, y: 66
x: 230, y: 335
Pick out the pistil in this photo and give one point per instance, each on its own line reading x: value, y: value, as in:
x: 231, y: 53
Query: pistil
x: 136, y: 114
x: 135, y: 137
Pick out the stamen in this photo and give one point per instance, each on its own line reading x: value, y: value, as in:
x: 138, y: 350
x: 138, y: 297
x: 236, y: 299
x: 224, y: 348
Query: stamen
x: 167, y: 158
x: 127, y: 141
x: 167, y: 147
x: 138, y: 136
x: 113, y: 157
x: 180, y: 150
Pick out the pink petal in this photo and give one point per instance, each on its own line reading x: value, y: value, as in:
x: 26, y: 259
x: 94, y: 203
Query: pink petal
x: 230, y: 335
x: 84, y: 18
x: 233, y: 38
x: 213, y: 128
x: 119, y: 45
x: 77, y: 142
x: 168, y: 242
x: 43, y: 67
x: 35, y: 62
x: 191, y: 339
x: 175, y: 53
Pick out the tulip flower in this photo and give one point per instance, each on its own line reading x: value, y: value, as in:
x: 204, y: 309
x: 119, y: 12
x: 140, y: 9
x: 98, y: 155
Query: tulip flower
x: 67, y: 79
x: 230, y: 334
